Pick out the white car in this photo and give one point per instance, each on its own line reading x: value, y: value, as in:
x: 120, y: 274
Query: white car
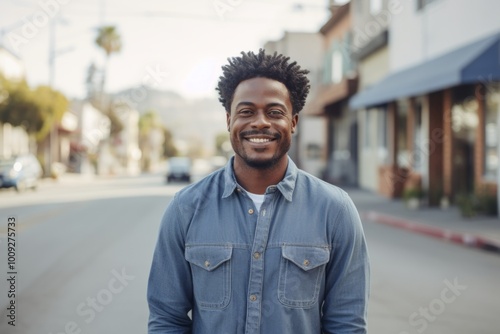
x: 21, y: 172
x: 179, y: 168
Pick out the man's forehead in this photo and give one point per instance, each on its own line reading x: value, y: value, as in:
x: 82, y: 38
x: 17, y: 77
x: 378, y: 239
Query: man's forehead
x: 261, y: 87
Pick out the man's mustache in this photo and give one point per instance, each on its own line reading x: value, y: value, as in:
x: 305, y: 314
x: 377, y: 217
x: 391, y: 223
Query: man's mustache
x: 267, y: 133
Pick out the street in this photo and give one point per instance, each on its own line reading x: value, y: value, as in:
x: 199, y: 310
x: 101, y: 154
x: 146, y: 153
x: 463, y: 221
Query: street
x: 83, y: 252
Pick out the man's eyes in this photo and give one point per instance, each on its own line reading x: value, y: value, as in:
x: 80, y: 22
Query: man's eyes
x: 276, y: 112
x: 245, y: 111
x: 271, y: 112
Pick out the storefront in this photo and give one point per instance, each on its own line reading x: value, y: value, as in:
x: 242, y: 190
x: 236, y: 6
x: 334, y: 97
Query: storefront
x: 442, y: 123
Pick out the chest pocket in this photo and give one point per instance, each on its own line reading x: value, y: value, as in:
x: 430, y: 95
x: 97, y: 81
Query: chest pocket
x: 301, y: 272
x: 211, y: 270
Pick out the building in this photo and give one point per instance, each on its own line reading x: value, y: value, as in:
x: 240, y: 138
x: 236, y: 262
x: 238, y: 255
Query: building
x: 308, y: 141
x: 10, y: 65
x: 125, y: 145
x: 337, y: 84
x: 87, y: 140
x: 440, y: 99
x: 369, y: 52
x: 14, y: 140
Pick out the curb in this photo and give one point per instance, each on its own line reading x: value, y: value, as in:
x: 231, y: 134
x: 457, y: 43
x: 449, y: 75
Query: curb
x: 465, y: 239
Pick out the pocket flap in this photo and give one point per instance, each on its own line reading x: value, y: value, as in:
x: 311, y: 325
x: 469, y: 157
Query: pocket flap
x: 208, y: 257
x: 306, y: 257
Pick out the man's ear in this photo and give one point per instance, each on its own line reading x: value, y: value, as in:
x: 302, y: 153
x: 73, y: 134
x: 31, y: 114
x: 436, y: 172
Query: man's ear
x: 295, y: 120
x: 228, y: 120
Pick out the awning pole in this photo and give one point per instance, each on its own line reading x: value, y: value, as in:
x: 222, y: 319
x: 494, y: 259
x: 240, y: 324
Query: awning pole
x: 497, y: 97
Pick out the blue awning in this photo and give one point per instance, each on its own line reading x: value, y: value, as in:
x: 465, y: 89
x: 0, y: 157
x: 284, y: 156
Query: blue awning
x: 475, y: 62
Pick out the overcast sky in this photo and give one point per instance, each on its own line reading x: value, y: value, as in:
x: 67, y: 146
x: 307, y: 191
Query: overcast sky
x: 166, y: 44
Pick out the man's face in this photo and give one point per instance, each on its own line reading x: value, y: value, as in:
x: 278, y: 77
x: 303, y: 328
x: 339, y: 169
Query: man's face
x: 261, y: 122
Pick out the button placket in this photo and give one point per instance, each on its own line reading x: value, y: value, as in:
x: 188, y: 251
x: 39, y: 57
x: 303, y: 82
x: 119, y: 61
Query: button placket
x: 256, y: 279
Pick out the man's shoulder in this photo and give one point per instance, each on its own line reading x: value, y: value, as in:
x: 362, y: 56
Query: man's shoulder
x: 209, y: 187
x: 320, y: 186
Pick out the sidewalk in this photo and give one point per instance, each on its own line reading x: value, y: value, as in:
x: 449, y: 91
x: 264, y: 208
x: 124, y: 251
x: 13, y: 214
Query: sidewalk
x: 68, y: 179
x: 448, y: 225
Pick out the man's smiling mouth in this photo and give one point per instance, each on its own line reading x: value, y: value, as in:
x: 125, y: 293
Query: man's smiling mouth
x: 259, y: 140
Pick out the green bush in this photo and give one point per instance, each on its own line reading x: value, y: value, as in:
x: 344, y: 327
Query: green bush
x: 412, y: 193
x: 471, y: 204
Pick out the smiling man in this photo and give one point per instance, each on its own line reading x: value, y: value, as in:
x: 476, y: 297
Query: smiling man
x: 260, y: 246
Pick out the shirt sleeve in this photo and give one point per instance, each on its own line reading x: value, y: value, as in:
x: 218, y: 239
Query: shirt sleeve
x: 347, y: 275
x: 170, y: 286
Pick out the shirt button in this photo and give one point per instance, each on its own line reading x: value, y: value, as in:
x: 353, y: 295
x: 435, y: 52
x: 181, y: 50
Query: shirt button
x: 306, y: 263
x: 256, y: 255
x: 253, y: 298
x: 250, y: 211
x: 207, y: 264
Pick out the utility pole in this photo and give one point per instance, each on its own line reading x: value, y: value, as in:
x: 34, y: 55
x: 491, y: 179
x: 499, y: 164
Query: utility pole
x: 53, y: 146
x: 53, y: 151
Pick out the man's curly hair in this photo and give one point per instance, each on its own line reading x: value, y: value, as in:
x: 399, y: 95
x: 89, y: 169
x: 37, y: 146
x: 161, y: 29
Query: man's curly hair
x: 276, y: 67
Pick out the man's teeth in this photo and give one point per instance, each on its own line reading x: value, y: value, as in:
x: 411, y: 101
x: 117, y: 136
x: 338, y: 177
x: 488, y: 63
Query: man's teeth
x: 259, y: 140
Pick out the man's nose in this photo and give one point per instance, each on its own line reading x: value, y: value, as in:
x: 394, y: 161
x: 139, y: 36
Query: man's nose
x: 260, y: 120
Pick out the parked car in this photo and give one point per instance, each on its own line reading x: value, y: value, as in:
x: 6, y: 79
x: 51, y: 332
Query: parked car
x: 179, y: 168
x: 21, y: 172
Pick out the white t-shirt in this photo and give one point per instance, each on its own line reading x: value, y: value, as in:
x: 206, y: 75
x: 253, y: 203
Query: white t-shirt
x: 257, y: 199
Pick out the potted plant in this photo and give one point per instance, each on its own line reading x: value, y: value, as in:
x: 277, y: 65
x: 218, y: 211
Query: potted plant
x: 412, y: 197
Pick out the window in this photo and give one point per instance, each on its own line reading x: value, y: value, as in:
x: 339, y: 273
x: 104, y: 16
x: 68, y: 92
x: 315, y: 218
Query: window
x: 418, y: 139
x: 313, y: 151
x: 491, y: 135
x: 375, y: 6
x: 336, y: 74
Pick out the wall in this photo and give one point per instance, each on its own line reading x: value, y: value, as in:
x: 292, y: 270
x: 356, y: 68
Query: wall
x: 373, y: 68
x: 306, y: 49
x: 442, y: 26
x: 370, y: 157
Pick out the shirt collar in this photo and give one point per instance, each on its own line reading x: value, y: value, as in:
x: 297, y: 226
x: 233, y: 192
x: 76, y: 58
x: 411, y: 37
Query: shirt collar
x: 286, y: 186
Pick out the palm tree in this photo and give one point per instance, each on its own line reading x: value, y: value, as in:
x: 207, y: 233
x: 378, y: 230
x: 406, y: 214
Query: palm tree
x: 110, y: 41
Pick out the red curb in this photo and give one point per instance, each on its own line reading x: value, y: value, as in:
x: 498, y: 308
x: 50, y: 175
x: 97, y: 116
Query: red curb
x: 443, y: 234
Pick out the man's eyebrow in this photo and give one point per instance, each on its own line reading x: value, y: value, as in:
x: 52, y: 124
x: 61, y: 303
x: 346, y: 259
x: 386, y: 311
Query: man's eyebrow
x: 251, y: 104
x: 245, y: 103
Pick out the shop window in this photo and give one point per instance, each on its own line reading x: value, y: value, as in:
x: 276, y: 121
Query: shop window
x: 419, y: 148
x: 492, y: 109
x: 465, y: 122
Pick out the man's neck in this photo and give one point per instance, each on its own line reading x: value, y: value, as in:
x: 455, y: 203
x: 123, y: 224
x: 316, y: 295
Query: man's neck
x: 257, y: 180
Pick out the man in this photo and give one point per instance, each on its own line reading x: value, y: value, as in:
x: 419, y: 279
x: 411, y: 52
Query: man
x: 260, y: 246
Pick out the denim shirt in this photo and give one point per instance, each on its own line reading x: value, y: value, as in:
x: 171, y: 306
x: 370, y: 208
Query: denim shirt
x: 299, y: 265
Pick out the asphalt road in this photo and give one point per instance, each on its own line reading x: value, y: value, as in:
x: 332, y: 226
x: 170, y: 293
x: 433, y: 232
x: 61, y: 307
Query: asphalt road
x: 83, y: 251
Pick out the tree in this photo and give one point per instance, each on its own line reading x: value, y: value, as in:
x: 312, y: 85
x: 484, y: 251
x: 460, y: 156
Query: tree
x: 109, y: 40
x: 169, y: 149
x: 154, y: 139
x: 35, y: 110
x: 52, y: 106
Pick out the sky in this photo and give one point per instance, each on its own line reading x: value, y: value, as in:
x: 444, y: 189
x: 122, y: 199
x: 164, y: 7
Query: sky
x: 168, y: 45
